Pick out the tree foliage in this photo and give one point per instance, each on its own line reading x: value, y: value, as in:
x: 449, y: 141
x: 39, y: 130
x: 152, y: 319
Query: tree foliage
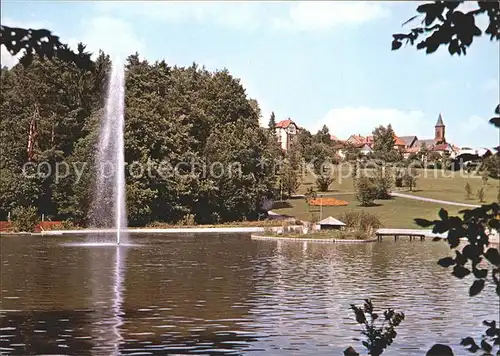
x: 366, y: 190
x: 25, y: 218
x: 383, y: 139
x: 444, y: 24
x: 476, y: 258
x: 201, y: 122
x: 41, y: 43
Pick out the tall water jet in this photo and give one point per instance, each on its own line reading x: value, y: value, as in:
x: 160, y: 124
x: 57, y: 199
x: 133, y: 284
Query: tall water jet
x: 108, y: 209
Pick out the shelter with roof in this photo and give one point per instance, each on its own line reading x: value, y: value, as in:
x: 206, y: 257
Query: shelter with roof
x: 330, y: 223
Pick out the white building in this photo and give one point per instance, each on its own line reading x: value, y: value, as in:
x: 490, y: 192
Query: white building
x: 286, y: 130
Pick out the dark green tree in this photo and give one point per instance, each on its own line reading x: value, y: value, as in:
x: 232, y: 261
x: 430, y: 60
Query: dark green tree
x: 272, y: 123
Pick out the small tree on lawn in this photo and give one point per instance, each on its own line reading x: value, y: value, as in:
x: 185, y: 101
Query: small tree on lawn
x: 484, y: 177
x: 366, y: 191
x: 468, y: 191
x: 383, y: 182
x: 480, y: 195
x: 410, y: 179
x: 310, y: 195
x: 289, y: 178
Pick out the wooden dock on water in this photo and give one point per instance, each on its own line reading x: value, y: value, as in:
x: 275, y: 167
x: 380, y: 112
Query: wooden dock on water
x: 412, y: 234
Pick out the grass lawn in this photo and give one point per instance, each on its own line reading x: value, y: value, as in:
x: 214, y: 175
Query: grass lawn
x: 436, y: 184
x: 327, y: 234
x: 451, y: 186
x: 394, y: 213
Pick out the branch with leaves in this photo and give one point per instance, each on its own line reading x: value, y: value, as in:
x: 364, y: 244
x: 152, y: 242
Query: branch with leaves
x: 41, y: 42
x: 475, y: 227
x: 445, y: 25
x: 379, y: 333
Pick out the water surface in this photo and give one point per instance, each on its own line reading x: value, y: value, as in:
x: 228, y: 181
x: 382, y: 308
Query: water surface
x: 224, y: 294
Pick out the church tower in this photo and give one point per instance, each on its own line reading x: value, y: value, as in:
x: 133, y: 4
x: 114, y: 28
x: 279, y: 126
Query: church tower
x: 439, y: 131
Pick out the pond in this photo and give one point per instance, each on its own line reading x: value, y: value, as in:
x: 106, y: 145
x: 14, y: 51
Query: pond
x: 225, y: 294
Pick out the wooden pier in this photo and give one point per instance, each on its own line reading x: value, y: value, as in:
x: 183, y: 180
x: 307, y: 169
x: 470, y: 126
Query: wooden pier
x: 412, y: 234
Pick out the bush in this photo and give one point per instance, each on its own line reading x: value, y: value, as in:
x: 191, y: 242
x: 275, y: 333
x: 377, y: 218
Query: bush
x: 491, y: 164
x: 24, y: 218
x: 383, y: 182
x: 188, y: 220
x: 366, y: 191
x: 65, y: 225
x: 410, y: 178
x: 398, y: 180
x: 361, y: 221
x: 323, y: 183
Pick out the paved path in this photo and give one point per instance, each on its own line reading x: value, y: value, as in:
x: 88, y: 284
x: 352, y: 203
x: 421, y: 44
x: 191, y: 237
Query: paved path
x: 430, y: 200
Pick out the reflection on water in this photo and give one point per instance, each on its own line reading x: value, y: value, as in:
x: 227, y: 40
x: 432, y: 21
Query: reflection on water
x: 218, y: 294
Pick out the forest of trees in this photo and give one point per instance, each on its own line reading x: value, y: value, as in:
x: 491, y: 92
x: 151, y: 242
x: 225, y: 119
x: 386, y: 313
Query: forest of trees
x: 51, y: 112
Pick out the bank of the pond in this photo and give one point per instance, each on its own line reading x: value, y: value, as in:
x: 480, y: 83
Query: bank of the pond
x: 178, y: 230
x: 310, y: 239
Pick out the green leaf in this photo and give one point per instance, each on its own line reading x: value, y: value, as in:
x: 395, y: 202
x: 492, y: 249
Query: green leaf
x: 396, y: 45
x: 493, y: 256
x: 443, y: 214
x: 467, y: 341
x: 446, y: 262
x: 460, y: 258
x: 486, y: 347
x: 423, y: 222
x: 480, y: 273
x: 476, y: 287
x: 460, y: 271
x: 440, y: 227
x: 495, y: 121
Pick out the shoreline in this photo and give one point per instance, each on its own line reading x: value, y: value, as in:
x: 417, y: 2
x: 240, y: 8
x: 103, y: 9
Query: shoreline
x: 308, y: 239
x: 252, y: 230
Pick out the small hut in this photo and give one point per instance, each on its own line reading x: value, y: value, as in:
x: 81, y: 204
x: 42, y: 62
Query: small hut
x: 330, y: 223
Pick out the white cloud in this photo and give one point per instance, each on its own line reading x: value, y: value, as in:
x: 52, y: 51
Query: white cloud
x: 319, y: 15
x: 114, y: 36
x: 6, y: 59
x: 241, y: 15
x: 474, y: 131
x: 492, y: 85
x: 343, y: 122
x: 306, y: 15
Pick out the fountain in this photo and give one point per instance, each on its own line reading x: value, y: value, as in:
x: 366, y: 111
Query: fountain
x: 109, y: 201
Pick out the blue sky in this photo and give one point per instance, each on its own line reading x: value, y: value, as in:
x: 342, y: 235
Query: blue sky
x: 315, y: 62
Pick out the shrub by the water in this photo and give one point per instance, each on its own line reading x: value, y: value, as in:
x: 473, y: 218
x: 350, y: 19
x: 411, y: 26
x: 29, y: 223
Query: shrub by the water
x: 24, y: 218
x: 362, y: 221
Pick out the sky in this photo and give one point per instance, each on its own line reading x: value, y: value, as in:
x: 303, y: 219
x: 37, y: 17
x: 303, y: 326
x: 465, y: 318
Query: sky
x: 318, y: 63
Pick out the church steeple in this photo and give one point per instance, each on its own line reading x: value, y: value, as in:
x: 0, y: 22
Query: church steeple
x: 439, y: 131
x: 440, y: 121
